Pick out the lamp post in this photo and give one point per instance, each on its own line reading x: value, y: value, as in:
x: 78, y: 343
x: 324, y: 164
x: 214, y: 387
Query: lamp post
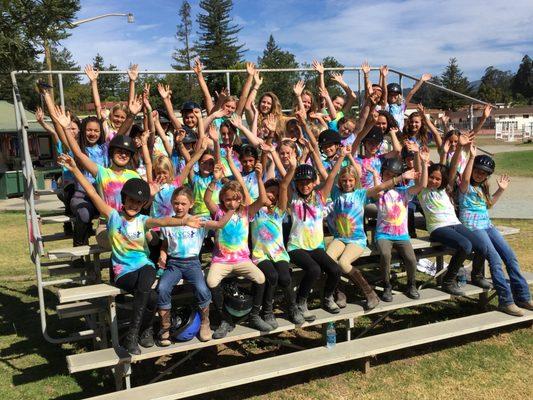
x: 46, y: 44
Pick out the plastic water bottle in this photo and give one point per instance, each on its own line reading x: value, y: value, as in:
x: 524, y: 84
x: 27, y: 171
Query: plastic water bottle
x: 461, y: 277
x: 331, y: 335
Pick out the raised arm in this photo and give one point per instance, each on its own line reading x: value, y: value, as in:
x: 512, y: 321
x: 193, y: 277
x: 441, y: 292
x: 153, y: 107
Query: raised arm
x: 92, y: 74
x: 214, y: 135
x: 421, y: 165
x: 467, y: 173
x: 464, y: 140
x: 503, y: 182
x: 202, y: 146
x: 326, y: 189
x: 133, y: 74
x: 283, y: 199
x: 262, y: 199
x: 250, y: 69
x: 258, y: 81
x: 68, y: 162
x: 486, y: 113
x: 331, y: 108
x: 319, y: 68
x: 161, y: 133
x: 350, y: 94
x: 165, y: 93
x: 383, y: 72
x: 236, y: 121
x: 237, y: 175
x: 39, y: 116
x: 418, y: 85
x: 434, y: 131
x: 146, y: 156
x: 396, y: 145
x: 134, y: 107
x: 314, y: 152
x: 365, y: 67
x: 198, y: 68
x: 298, y: 89
x: 218, y: 173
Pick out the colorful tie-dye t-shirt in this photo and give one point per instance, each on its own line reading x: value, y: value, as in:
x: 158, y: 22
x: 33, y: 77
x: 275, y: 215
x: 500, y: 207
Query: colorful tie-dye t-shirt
x: 473, y: 212
x: 66, y: 175
x: 347, y: 216
x: 183, y: 241
x: 98, y: 154
x: 235, y: 157
x: 231, y: 241
x: 109, y: 184
x: 250, y: 181
x: 307, y: 232
x: 461, y: 162
x: 392, y: 214
x: 159, y: 146
x: 397, y: 111
x: 367, y: 178
x: 438, y: 209
x: 199, y: 187
x: 129, y: 250
x: 267, y: 236
x: 162, y: 205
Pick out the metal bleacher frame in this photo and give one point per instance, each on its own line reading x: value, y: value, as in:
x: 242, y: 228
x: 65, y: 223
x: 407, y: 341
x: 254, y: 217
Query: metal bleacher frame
x: 95, y: 301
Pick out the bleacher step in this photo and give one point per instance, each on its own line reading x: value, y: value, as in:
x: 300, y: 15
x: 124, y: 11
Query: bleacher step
x: 79, y: 309
x: 87, y: 292
x: 71, y: 252
x: 272, y: 367
x: 55, y: 219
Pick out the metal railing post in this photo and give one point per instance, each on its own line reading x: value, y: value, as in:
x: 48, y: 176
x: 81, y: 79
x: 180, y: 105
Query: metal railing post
x: 228, y: 84
x: 61, y: 94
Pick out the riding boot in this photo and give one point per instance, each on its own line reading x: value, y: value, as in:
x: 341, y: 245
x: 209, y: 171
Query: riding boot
x: 131, y: 342
x: 205, y: 331
x: 294, y: 313
x: 357, y: 278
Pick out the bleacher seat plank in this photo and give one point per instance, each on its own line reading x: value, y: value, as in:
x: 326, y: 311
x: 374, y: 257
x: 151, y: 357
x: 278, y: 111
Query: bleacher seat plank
x: 87, y: 292
x: 55, y: 219
x: 78, y: 309
x: 78, y: 251
x: 111, y: 357
x: 55, y: 237
x: 286, y: 364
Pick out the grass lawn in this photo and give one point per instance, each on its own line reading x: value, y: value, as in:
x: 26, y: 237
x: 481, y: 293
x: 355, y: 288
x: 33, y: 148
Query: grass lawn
x: 516, y: 163
x: 496, y: 365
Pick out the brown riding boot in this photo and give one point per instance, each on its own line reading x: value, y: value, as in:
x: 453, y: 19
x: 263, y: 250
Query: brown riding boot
x: 372, y: 299
x: 163, y: 339
x: 205, y: 331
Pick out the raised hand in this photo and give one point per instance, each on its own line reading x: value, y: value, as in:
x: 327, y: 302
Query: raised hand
x: 39, y: 114
x: 301, y: 116
x: 445, y: 119
x: 135, y: 105
x: 473, y: 150
x: 258, y: 167
x: 66, y: 161
x: 218, y: 172
x: 503, y: 181
x: 420, y: 108
x: 213, y: 133
x: 266, y: 147
x: 250, y: 68
x: 180, y: 135
x: 197, y: 113
x: 144, y: 138
x: 425, y: 77
x: 410, y: 174
x: 133, y: 72
x: 220, y: 113
x: 412, y: 146
x: 91, y: 72
x: 486, y: 111
x: 323, y: 92
x: 222, y: 94
x: 384, y: 70
x: 203, y: 142
x: 236, y: 121
x: 62, y: 117
x: 318, y: 67
x: 164, y: 91
x: 270, y: 122
x: 446, y: 146
x: 465, y: 139
x: 258, y: 79
x: 337, y: 77
x: 298, y: 88
x: 293, y: 161
x: 365, y: 67
x: 146, y: 96
x: 198, y: 66
x: 424, y: 155
x: 344, y: 151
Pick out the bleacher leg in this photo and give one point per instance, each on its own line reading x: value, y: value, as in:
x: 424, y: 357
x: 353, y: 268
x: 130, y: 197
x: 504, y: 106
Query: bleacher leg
x: 113, y: 325
x: 365, y: 365
x: 440, y: 265
x: 349, y: 329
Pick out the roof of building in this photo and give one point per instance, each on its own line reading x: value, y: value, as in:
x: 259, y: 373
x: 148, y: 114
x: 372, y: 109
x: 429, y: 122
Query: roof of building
x: 8, y: 123
x: 513, y: 110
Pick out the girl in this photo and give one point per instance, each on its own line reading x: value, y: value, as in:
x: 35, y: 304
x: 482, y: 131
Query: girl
x: 474, y: 200
x: 141, y: 160
x: 133, y: 271
x: 415, y: 130
x: 248, y: 157
x: 268, y: 104
x: 391, y: 228
x: 444, y: 226
x: 386, y: 122
x: 231, y: 254
x: 306, y: 239
x: 180, y: 253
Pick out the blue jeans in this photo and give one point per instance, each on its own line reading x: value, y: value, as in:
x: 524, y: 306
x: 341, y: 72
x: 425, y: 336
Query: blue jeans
x: 497, y: 250
x: 189, y: 269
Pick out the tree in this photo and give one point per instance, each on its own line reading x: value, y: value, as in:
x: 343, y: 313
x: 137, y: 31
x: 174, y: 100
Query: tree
x: 110, y: 86
x: 278, y: 82
x: 522, y: 84
x: 452, y: 78
x: 62, y: 61
x: 495, y: 86
x: 217, y: 44
x: 312, y: 81
x: 427, y: 95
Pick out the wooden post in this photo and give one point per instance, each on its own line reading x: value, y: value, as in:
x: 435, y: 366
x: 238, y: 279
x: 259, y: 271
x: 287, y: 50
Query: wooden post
x: 365, y: 365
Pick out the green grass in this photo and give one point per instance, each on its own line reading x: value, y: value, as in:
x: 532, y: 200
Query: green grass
x: 516, y: 163
x: 496, y: 365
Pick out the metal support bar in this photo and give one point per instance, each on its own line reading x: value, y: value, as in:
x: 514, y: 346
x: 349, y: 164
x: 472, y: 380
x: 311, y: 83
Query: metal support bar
x: 174, y: 366
x: 280, y: 343
x: 228, y: 83
x: 113, y: 325
x: 61, y: 93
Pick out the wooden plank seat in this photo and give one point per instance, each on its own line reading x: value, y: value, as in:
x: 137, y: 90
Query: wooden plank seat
x: 54, y: 219
x: 87, y: 292
x: 79, y: 309
x: 286, y: 364
x: 75, y: 252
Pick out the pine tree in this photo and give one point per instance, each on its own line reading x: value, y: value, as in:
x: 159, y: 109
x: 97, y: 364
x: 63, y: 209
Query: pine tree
x: 217, y: 44
x: 495, y: 86
x: 522, y: 85
x: 452, y: 78
x: 278, y: 82
x: 427, y: 95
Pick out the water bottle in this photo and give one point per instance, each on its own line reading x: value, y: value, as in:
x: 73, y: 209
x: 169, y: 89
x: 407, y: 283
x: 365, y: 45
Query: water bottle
x: 331, y: 335
x: 461, y: 277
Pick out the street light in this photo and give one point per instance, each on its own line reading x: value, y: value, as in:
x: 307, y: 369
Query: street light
x: 47, y: 54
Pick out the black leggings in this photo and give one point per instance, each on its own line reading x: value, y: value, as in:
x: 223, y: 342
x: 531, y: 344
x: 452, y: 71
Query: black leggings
x: 276, y: 274
x: 141, y: 281
x: 313, y: 262
x: 83, y: 211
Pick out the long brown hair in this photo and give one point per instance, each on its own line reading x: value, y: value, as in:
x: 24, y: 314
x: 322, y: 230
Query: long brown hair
x: 422, y: 135
x: 232, y: 186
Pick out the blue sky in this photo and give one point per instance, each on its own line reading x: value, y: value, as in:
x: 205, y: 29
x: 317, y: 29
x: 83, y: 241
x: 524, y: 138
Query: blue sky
x: 413, y: 36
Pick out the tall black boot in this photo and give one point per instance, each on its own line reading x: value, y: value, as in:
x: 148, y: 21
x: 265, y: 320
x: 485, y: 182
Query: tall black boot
x: 294, y: 313
x: 254, y: 319
x: 146, y: 338
x: 131, y: 342
x: 226, y: 321
x: 477, y: 277
x: 268, y: 306
x: 449, y: 281
x: 80, y: 234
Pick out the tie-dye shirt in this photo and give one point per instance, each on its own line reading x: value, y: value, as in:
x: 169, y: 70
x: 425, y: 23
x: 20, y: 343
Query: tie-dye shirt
x: 109, y: 184
x: 438, y: 209
x: 267, y: 236
x: 397, y: 111
x: 162, y: 205
x: 236, y: 161
x: 392, y: 214
x: 159, y: 146
x: 231, y: 241
x: 461, y: 163
x: 473, y: 212
x: 367, y: 178
x: 66, y: 175
x: 250, y: 181
x: 307, y: 232
x: 200, y: 184
x: 129, y: 250
x: 347, y: 215
x: 183, y: 241
x: 98, y: 154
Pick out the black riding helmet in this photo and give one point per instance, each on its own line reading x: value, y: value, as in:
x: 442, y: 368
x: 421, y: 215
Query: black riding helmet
x: 121, y: 142
x: 303, y: 172
x: 407, y: 153
x: 394, y: 88
x: 393, y: 165
x: 485, y: 163
x: 329, y: 136
x: 136, y: 189
x: 163, y: 116
x: 190, y: 135
x: 189, y: 105
x: 375, y: 134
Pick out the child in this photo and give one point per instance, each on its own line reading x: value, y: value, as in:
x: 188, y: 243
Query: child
x: 391, y: 228
x: 231, y: 254
x: 181, y: 248
x: 133, y: 271
x: 474, y: 201
x: 248, y: 157
x: 306, y: 239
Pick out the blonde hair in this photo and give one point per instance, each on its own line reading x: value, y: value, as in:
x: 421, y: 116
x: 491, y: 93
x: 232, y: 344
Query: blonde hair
x: 164, y: 163
x: 274, y: 110
x: 350, y: 171
x: 116, y: 107
x: 232, y: 186
x: 230, y: 98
